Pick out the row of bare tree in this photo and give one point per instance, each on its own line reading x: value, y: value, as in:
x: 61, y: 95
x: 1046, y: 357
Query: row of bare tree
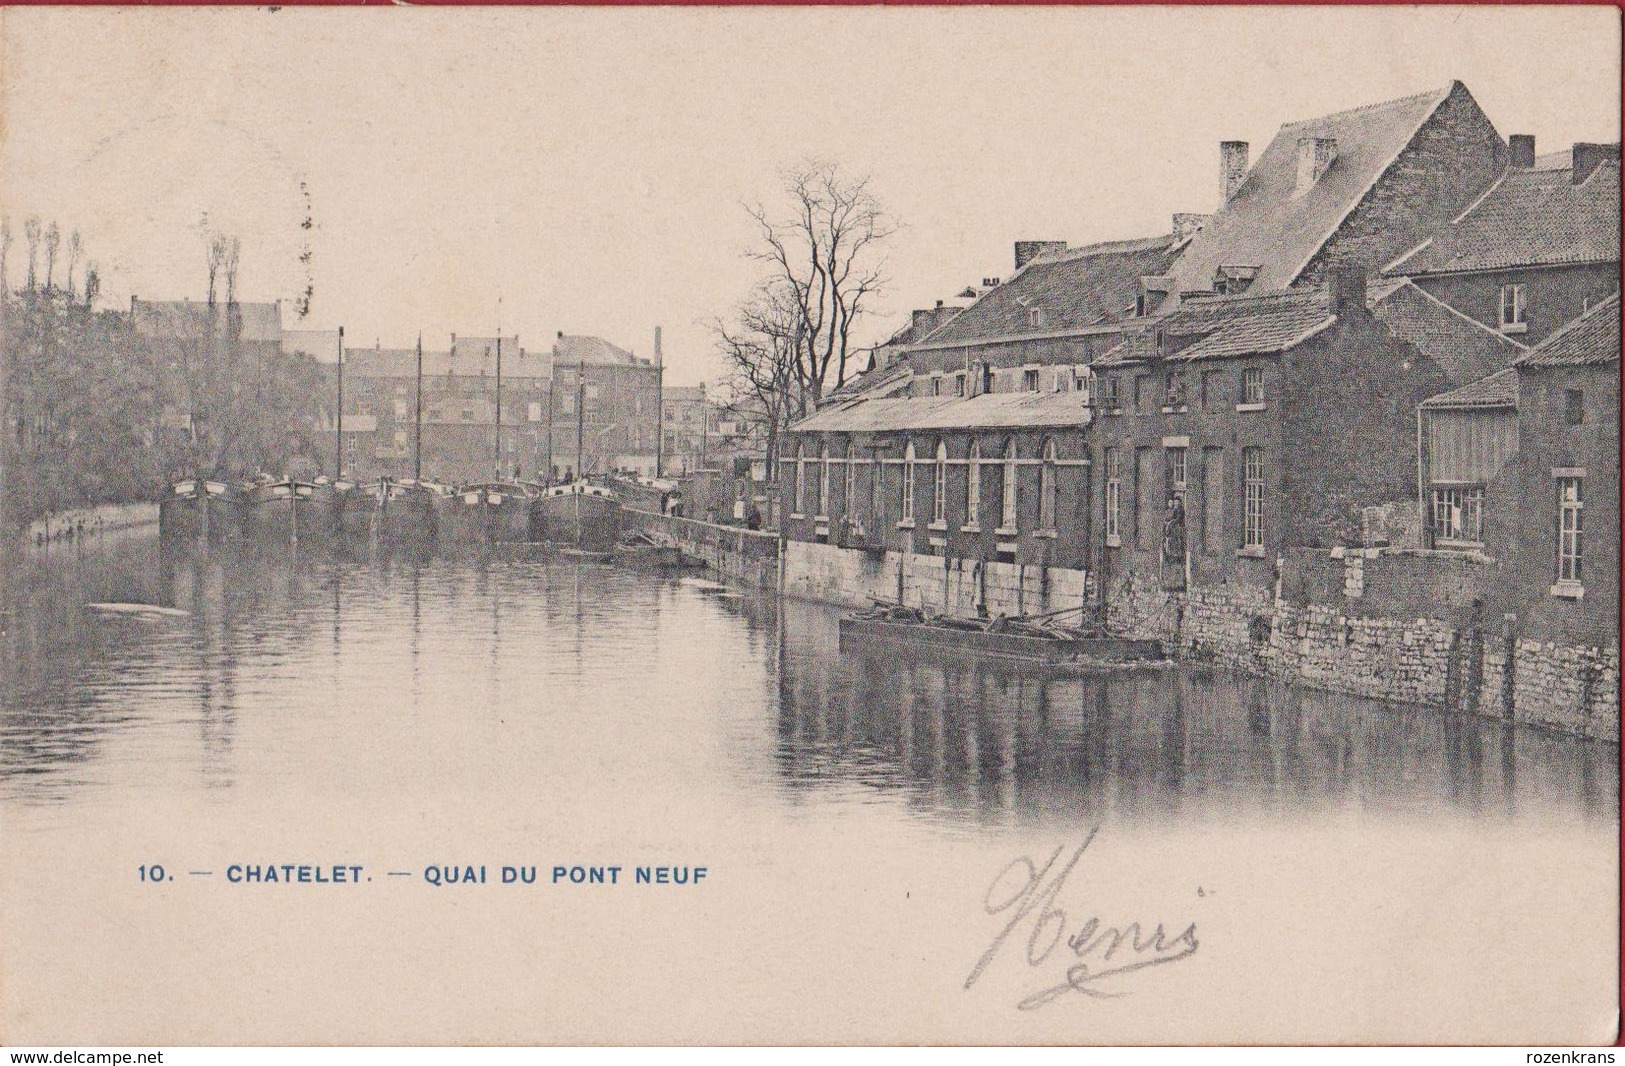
x: 792, y: 340
x: 48, y: 240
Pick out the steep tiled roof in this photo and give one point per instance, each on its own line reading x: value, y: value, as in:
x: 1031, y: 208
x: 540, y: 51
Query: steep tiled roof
x: 184, y: 318
x: 1590, y: 340
x: 1244, y: 325
x: 990, y: 410
x: 1074, y: 289
x: 1265, y: 225
x: 1528, y: 218
x: 1500, y: 389
x: 1232, y: 326
x: 592, y: 351
x: 1462, y: 347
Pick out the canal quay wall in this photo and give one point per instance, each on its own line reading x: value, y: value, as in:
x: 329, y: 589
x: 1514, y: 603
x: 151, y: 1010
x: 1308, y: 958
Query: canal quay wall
x: 743, y: 556
x: 1410, y: 627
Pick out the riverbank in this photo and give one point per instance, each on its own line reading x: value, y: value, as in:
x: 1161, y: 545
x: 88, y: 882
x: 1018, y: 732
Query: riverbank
x: 1386, y: 627
x: 86, y: 521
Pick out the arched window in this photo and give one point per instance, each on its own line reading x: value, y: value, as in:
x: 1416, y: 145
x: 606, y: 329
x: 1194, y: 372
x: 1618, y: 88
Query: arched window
x: 823, y: 481
x: 1007, y: 514
x: 1046, y: 488
x: 939, y: 498
x: 849, y: 500
x: 908, y: 483
x: 801, y: 477
x: 973, y: 485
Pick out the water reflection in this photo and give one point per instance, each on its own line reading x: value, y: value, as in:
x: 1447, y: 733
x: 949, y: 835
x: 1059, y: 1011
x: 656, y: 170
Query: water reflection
x: 261, y: 676
x: 985, y: 741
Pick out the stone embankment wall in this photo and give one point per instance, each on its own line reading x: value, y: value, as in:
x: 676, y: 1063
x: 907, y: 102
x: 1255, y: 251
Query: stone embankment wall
x: 744, y: 556
x: 1407, y: 627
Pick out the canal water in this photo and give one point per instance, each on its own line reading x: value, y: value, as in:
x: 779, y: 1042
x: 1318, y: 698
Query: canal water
x: 866, y: 822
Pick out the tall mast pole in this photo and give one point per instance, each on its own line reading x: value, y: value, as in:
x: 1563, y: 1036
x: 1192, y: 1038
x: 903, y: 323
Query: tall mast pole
x: 499, y: 403
x: 581, y: 416
x: 417, y: 433
x: 338, y: 458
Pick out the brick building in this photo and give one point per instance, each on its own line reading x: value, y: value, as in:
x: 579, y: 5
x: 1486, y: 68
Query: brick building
x: 604, y: 404
x: 459, y: 419
x: 1523, y: 467
x: 1536, y: 250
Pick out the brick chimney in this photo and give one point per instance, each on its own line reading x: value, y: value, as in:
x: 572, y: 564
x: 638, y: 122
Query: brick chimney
x: 1523, y: 150
x: 1232, y: 168
x: 1315, y: 155
x: 1345, y: 289
x: 657, y: 346
x: 1588, y: 157
x: 1027, y: 251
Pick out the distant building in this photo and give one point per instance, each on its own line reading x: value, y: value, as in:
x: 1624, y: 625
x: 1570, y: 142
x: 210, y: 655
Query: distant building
x: 691, y: 433
x: 604, y: 407
x: 459, y: 414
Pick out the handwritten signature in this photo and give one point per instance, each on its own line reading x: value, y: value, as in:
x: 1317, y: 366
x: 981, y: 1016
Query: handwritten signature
x: 1099, y: 954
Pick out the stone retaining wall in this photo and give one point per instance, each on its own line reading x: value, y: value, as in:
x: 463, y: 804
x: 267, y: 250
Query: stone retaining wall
x: 1403, y: 628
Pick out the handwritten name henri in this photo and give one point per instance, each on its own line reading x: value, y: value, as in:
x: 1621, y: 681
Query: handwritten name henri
x: 1089, y: 957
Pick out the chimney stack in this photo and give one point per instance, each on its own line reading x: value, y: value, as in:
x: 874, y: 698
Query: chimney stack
x: 1232, y: 168
x: 1315, y: 155
x: 1523, y: 150
x: 1027, y: 251
x: 657, y: 346
x: 1588, y: 157
x: 1345, y: 287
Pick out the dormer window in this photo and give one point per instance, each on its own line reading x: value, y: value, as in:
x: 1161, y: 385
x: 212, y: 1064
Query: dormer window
x: 1029, y: 380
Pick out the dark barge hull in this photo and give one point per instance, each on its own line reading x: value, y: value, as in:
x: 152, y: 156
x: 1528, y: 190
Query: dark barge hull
x: 1083, y: 651
x: 577, y: 520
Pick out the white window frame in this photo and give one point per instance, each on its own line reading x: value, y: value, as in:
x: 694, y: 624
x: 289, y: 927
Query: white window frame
x: 939, y: 488
x: 1252, y: 500
x: 823, y: 482
x: 1252, y: 387
x: 851, y: 479
x: 801, y: 478
x: 1456, y: 515
x: 1046, y: 488
x: 1010, y: 496
x: 907, y: 518
x: 1514, y: 314
x: 973, y: 488
x: 1570, y: 533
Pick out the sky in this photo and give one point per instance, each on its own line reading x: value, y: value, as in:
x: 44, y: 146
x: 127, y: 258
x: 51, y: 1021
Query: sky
x: 464, y: 171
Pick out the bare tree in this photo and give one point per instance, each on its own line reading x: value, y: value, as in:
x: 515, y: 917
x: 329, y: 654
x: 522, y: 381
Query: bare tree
x: 760, y: 350
x: 233, y: 252
x: 76, y: 250
x: 31, y: 234
x: 93, y: 283
x: 53, y: 238
x: 825, y: 253
x: 216, y: 257
x: 5, y: 252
